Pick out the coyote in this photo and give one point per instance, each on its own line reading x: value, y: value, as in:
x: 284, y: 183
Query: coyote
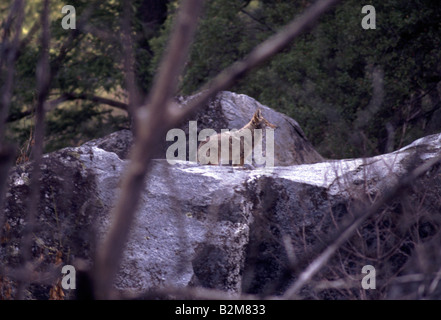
x: 240, y: 143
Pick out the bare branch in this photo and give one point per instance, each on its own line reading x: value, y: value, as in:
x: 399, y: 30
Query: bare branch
x: 406, y: 181
x: 8, y: 56
x: 157, y: 116
x: 89, y: 97
x: 14, y: 13
x: 257, y: 20
x: 69, y: 43
x: 260, y: 54
x: 129, y: 61
x: 7, y: 155
x: 68, y: 96
x: 149, y: 127
x: 101, y: 34
x: 43, y: 87
x: 26, y: 40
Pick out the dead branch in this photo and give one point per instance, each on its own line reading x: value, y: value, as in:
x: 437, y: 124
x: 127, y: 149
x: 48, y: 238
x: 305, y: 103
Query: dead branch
x: 7, y: 155
x: 74, y: 37
x: 257, y: 56
x: 129, y: 61
x: 257, y: 20
x: 149, y: 127
x: 68, y: 96
x: 88, y: 97
x: 43, y: 88
x: 157, y: 116
x: 8, y: 56
x: 360, y: 215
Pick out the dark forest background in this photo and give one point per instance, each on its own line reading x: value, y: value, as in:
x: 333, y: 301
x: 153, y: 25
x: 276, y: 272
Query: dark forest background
x: 355, y: 92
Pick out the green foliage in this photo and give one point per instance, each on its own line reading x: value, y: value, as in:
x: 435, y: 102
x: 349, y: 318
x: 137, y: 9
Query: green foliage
x: 80, y: 123
x: 220, y: 42
x: 92, y: 65
x: 325, y: 79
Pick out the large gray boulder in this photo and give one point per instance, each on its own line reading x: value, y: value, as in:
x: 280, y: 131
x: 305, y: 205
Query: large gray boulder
x: 230, y: 110
x: 232, y: 229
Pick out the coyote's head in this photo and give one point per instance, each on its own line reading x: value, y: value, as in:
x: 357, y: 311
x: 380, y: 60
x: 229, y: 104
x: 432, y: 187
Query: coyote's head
x: 259, y: 122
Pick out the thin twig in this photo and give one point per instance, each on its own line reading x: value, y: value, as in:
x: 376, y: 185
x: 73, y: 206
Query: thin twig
x: 257, y: 56
x: 8, y: 56
x: 405, y: 181
x: 7, y: 155
x: 257, y: 20
x: 69, y: 96
x: 43, y: 87
x: 129, y: 60
x: 157, y: 116
x: 149, y: 127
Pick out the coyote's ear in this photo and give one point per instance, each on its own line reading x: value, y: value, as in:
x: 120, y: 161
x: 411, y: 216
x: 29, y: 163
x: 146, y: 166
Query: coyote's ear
x: 258, y: 114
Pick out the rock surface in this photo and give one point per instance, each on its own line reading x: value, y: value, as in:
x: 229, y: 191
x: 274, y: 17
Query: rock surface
x: 229, y: 110
x: 231, y: 229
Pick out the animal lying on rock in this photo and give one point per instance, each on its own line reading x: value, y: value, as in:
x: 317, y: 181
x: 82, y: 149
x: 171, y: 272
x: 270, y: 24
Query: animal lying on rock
x: 234, y: 147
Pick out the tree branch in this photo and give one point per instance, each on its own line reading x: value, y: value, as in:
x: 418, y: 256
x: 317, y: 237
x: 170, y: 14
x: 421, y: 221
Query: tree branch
x: 7, y: 155
x: 26, y: 40
x: 89, y: 97
x: 157, y: 116
x: 129, y: 61
x: 43, y: 88
x: 257, y: 20
x: 150, y: 129
x: 8, y: 56
x: 69, y: 44
x: 52, y: 104
x: 361, y: 215
x: 257, y: 56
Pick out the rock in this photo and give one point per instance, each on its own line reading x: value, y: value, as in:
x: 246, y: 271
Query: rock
x: 191, y: 228
x: 118, y: 142
x: 66, y: 215
x: 229, y: 110
x: 227, y: 228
